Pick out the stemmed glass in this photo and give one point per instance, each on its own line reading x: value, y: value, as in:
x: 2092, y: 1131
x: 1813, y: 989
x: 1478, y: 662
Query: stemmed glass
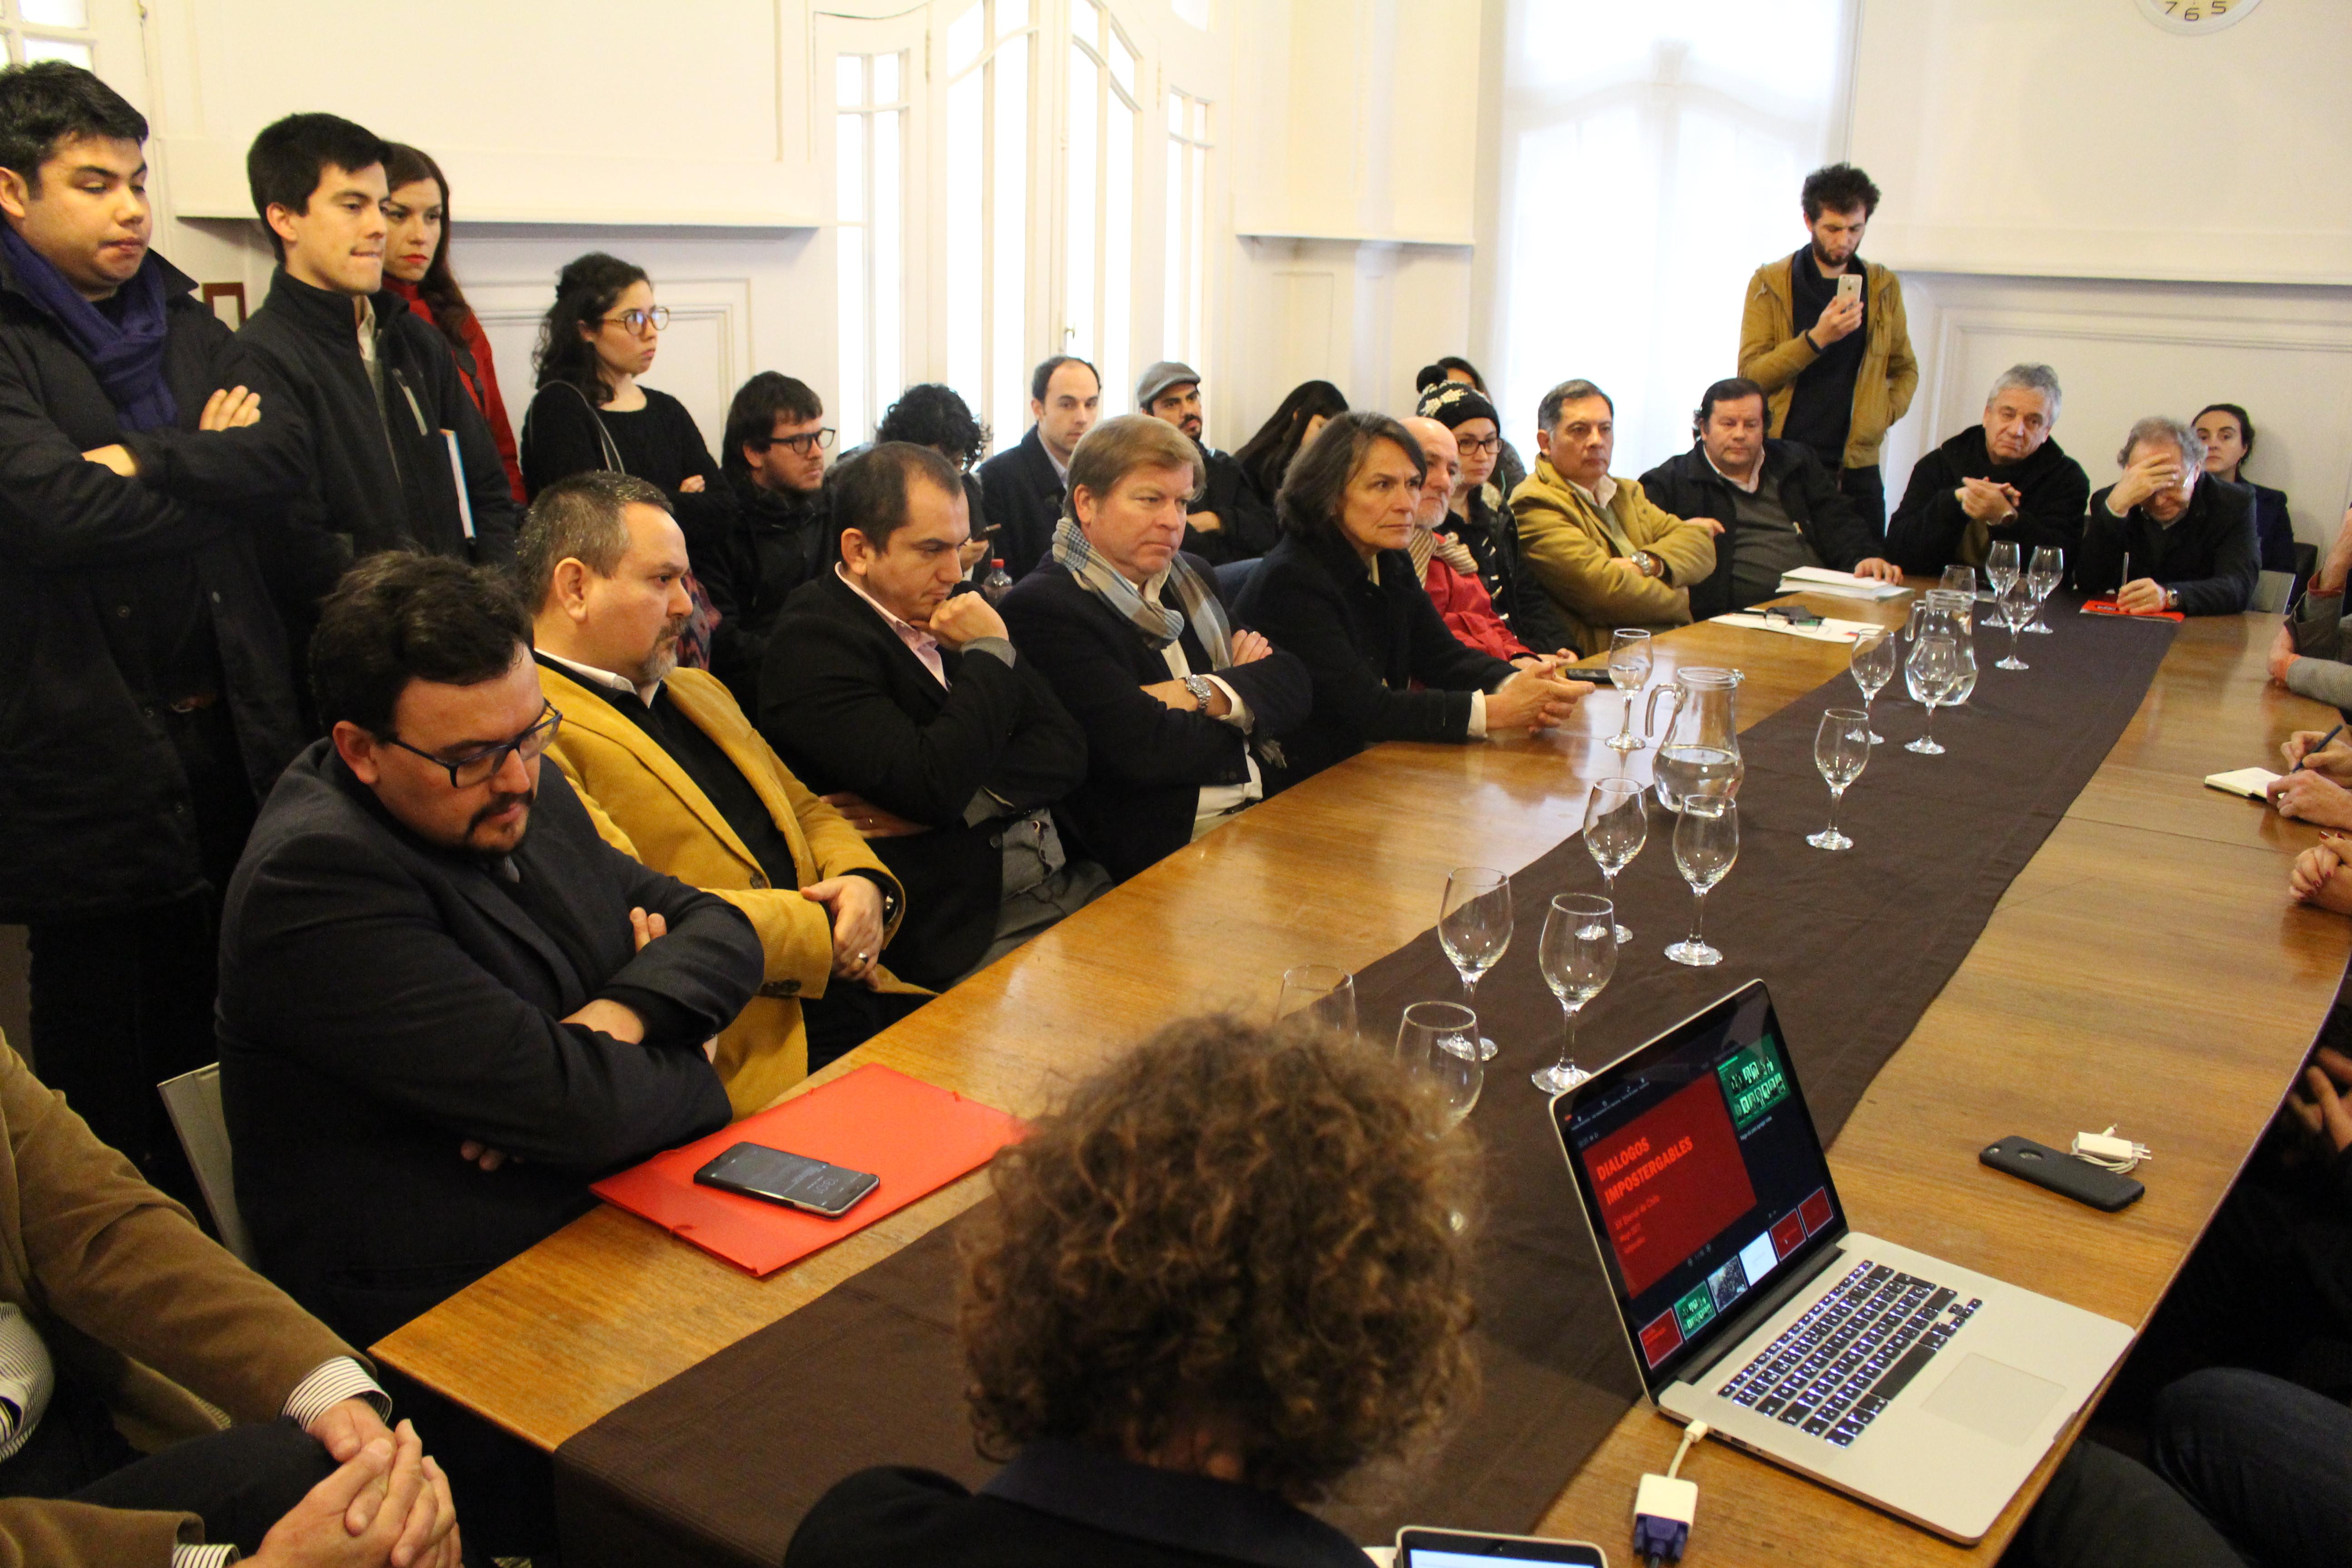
x: 1325, y: 994
x: 1616, y: 826
x: 1707, y: 841
x: 1964, y: 680
x: 1629, y: 668
x: 1872, y: 666
x: 1578, y: 955
x: 1959, y: 580
x: 1930, y: 673
x: 2013, y: 607
x: 2001, y: 566
x: 2043, y: 576
x: 1437, y: 1042
x: 1474, y: 927
x: 1840, y: 750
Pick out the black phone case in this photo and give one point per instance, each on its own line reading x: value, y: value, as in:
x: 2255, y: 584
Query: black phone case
x: 2062, y: 1173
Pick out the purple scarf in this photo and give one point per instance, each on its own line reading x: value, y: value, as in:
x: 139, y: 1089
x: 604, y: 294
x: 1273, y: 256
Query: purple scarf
x: 127, y: 358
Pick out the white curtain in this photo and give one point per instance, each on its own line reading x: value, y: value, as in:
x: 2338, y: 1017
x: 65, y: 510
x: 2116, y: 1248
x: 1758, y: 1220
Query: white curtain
x: 1652, y: 157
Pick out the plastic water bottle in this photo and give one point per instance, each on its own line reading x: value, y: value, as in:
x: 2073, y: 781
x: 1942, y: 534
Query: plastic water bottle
x: 997, y: 584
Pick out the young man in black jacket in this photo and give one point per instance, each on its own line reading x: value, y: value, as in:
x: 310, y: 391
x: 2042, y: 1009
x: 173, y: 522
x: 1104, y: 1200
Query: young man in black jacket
x: 1779, y: 508
x: 1224, y: 520
x: 430, y: 961
x: 2002, y: 479
x: 1021, y: 491
x: 371, y: 384
x: 1184, y: 711
x: 904, y: 703
x: 2165, y: 537
x: 149, y: 705
x: 750, y: 559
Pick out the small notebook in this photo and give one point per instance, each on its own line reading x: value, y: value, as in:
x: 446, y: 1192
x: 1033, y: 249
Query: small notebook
x: 1821, y: 580
x: 916, y: 1137
x: 2253, y: 782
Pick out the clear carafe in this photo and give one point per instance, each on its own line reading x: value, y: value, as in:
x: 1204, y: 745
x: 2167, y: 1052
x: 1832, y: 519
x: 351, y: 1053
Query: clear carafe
x: 1698, y: 751
x: 1942, y: 612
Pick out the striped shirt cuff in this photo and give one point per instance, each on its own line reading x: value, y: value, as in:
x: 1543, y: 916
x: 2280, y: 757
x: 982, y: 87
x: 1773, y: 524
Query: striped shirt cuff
x: 219, y: 1555
x: 330, y: 1384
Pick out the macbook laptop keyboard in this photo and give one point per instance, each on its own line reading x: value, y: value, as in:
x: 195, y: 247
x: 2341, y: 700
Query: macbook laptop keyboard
x: 1832, y: 1371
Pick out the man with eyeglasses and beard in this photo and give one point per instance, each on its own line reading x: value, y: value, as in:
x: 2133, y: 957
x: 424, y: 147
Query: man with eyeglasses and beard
x: 446, y: 1004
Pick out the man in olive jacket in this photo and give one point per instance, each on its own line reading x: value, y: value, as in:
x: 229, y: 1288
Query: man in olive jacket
x: 1606, y: 557
x: 1834, y: 356
x: 673, y: 773
x: 114, y: 1305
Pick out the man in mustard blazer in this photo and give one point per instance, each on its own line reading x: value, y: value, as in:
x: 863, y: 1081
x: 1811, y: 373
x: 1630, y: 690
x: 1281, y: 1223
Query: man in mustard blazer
x: 673, y: 773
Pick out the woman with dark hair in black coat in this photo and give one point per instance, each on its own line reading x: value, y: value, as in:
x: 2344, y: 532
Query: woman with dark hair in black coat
x: 1340, y: 592
x: 2229, y: 437
x: 1265, y: 457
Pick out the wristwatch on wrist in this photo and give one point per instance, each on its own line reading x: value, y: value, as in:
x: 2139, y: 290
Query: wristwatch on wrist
x: 1200, y: 689
x: 2172, y: 599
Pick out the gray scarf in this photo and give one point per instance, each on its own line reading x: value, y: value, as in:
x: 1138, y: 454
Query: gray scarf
x: 1158, y: 625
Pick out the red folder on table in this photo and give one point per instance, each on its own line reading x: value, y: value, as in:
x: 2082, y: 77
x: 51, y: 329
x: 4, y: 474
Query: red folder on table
x: 2109, y: 607
x: 915, y: 1137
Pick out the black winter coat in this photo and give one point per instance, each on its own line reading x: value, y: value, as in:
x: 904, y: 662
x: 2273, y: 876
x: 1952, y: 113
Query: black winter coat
x: 2206, y: 555
x: 1246, y: 527
x: 750, y: 559
x: 1021, y: 496
x: 1146, y: 761
x: 380, y: 480
x: 849, y: 707
x: 1689, y: 486
x: 1365, y: 644
x: 1492, y: 538
x: 1926, y: 533
x: 101, y: 578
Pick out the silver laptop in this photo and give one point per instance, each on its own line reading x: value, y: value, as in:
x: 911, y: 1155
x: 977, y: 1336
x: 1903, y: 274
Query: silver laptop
x: 1925, y: 1388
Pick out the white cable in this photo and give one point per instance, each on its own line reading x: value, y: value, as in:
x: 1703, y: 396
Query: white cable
x: 2109, y: 1152
x: 1693, y: 1434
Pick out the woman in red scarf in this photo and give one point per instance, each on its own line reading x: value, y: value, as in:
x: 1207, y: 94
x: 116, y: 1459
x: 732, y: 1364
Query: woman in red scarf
x: 417, y: 268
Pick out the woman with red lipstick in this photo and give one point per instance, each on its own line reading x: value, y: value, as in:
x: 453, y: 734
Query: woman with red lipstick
x: 417, y: 268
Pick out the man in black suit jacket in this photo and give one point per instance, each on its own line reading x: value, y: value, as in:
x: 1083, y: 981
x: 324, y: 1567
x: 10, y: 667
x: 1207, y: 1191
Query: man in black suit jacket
x: 407, y: 975
x: 1131, y: 635
x: 905, y: 704
x: 1021, y: 491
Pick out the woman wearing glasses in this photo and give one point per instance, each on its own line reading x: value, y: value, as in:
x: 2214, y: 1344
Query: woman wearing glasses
x: 1489, y: 537
x: 591, y: 413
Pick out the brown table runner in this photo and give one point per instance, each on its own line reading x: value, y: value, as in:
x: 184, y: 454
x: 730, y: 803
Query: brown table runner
x: 719, y: 1464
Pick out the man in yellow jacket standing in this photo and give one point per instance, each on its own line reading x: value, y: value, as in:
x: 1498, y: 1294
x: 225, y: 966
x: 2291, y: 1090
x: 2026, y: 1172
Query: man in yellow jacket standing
x: 1823, y: 334
x: 1603, y: 552
x: 674, y: 773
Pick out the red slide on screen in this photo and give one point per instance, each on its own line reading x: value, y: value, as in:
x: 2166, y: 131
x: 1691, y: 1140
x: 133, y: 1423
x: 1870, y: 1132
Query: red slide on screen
x: 1669, y: 1181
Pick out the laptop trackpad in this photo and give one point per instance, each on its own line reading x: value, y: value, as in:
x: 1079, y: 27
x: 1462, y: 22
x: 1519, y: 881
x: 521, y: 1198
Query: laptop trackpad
x: 1999, y: 1400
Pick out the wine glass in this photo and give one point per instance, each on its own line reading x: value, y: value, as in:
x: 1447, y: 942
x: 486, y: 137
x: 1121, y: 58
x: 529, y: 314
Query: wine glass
x: 1964, y: 682
x: 1578, y: 953
x: 1707, y: 841
x: 1616, y: 826
x: 1325, y: 994
x: 1474, y: 927
x: 1930, y: 674
x: 1437, y: 1042
x: 2043, y: 575
x: 1629, y: 668
x: 2001, y: 566
x: 1872, y: 666
x: 2013, y: 606
x: 1840, y: 750
x: 1959, y: 580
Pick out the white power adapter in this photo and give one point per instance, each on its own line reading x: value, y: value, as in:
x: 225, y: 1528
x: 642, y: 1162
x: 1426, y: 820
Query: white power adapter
x: 2108, y: 1151
x: 1666, y: 1506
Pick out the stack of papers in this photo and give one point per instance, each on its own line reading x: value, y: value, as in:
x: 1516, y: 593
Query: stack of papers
x: 1821, y: 580
x: 2253, y: 782
x: 1828, y: 631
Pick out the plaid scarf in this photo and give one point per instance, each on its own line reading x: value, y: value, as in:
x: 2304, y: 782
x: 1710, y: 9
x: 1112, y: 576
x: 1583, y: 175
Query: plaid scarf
x: 1158, y: 625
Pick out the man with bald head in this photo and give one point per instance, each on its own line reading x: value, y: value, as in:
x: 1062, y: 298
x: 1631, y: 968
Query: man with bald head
x: 1447, y: 568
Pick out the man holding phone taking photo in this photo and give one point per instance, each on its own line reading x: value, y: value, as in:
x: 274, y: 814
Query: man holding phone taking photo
x: 1823, y: 334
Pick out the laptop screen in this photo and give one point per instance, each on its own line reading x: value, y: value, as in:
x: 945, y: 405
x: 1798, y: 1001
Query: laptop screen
x: 1702, y: 1176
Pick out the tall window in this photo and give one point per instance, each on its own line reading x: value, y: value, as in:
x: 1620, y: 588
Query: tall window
x: 1098, y: 220
x: 49, y: 30
x: 1187, y: 231
x: 869, y: 162
x: 1652, y: 157
x: 989, y: 50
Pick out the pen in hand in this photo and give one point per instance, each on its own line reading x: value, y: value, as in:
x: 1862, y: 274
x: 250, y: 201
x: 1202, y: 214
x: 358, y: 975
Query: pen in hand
x: 2325, y: 740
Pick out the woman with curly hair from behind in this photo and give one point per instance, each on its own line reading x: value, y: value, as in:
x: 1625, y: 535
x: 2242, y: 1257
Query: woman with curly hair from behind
x: 1223, y: 1279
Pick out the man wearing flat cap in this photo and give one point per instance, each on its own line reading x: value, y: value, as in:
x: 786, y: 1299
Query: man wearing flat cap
x: 1227, y: 521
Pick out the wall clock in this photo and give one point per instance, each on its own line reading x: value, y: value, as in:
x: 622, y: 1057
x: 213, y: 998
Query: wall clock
x: 2195, y: 17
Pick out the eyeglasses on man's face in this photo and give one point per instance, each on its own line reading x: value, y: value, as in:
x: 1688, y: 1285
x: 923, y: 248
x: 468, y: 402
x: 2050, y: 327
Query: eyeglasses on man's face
x: 636, y: 322
x: 476, y: 768
x: 808, y: 443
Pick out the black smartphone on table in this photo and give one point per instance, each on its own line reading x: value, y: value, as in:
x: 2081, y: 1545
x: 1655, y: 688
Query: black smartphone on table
x: 2062, y: 1173
x: 1462, y: 1549
x: 795, y: 1180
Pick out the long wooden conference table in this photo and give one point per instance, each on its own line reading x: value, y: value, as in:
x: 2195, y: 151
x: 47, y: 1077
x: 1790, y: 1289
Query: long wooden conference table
x: 2147, y: 970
